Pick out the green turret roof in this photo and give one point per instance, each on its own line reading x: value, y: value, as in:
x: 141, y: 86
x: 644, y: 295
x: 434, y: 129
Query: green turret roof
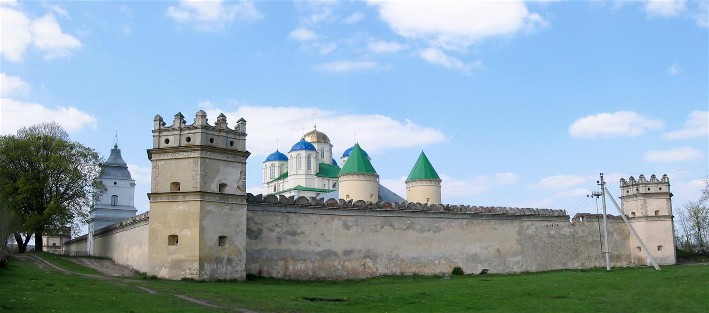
x: 423, y: 170
x: 357, y: 163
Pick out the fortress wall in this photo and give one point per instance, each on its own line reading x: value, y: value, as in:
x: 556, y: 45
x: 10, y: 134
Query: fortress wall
x: 324, y: 243
x: 125, y: 242
x: 76, y: 245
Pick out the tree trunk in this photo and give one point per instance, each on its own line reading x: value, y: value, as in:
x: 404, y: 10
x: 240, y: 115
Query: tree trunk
x: 38, y: 242
x: 21, y: 242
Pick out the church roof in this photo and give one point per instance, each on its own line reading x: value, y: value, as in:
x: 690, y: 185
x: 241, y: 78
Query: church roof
x: 357, y: 163
x: 316, y: 136
x: 276, y: 156
x: 328, y: 170
x: 302, y: 145
x: 115, y: 167
x: 423, y: 170
x: 349, y: 151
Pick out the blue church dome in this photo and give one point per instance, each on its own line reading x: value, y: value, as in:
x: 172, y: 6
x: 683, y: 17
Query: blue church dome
x: 276, y: 156
x: 302, y: 145
x: 334, y: 163
x: 347, y: 153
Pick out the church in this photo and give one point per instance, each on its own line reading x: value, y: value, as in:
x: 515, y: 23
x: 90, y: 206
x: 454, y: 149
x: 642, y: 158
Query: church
x: 310, y: 170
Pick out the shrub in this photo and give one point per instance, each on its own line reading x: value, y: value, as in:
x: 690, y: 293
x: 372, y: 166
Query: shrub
x: 457, y: 271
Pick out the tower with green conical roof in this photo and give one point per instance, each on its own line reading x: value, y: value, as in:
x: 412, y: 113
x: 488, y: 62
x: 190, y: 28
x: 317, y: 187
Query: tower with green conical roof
x: 423, y: 184
x: 357, y: 179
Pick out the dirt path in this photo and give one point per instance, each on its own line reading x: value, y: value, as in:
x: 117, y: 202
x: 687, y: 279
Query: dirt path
x: 105, y: 266
x: 108, y: 267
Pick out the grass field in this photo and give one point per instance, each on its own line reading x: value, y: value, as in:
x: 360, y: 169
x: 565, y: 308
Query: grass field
x: 25, y: 288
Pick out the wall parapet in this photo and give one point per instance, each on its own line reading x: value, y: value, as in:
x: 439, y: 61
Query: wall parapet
x: 123, y: 225
x: 335, y: 204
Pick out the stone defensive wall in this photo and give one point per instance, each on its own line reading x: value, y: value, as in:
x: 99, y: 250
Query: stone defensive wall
x: 125, y: 242
x: 308, y: 238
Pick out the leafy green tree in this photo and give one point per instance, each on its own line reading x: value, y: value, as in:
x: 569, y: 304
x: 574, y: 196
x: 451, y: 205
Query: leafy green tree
x: 46, y: 181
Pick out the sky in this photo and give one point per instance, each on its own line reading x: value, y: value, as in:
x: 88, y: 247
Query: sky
x: 516, y: 104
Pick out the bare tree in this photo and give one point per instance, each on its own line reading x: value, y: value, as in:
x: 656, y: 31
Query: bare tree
x: 694, y: 223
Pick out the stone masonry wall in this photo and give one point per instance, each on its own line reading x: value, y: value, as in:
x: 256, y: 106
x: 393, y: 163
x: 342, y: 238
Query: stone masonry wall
x: 310, y: 239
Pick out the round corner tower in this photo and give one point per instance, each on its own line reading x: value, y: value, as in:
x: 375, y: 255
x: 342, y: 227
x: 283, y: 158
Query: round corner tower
x: 648, y: 204
x: 357, y: 179
x: 198, y: 199
x: 423, y: 184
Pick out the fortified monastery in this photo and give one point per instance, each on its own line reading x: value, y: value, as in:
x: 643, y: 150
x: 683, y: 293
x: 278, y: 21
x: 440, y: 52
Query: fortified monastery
x: 319, y: 221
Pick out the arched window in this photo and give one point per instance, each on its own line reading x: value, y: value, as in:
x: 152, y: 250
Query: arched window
x: 322, y: 153
x: 309, y: 163
x: 273, y: 171
x: 298, y: 162
x: 223, y: 187
x: 114, y: 200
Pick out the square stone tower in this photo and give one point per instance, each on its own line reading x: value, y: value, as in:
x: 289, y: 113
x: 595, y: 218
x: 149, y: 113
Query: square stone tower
x: 648, y: 205
x: 198, y: 199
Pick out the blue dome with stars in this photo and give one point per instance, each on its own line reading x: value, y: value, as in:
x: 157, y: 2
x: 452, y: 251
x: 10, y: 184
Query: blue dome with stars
x: 276, y: 156
x: 302, y: 145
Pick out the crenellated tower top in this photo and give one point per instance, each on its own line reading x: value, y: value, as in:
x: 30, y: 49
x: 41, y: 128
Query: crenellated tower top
x: 199, y: 133
x: 644, y: 186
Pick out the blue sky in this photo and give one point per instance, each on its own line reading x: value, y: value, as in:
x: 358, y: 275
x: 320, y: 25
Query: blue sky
x: 515, y: 103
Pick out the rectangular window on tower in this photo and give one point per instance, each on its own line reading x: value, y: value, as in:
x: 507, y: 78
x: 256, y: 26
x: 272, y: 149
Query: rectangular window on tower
x: 114, y: 200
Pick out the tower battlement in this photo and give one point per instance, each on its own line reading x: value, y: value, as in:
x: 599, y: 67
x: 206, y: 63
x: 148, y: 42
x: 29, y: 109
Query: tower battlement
x: 199, y: 133
x: 642, y: 185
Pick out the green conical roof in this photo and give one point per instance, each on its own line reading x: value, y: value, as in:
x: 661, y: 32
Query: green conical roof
x: 357, y: 163
x: 423, y: 170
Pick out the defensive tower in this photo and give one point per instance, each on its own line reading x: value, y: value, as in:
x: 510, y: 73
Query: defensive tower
x: 358, y: 180
x: 423, y: 184
x: 198, y: 199
x: 648, y: 205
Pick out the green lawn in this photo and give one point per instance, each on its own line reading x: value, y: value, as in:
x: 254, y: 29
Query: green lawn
x: 24, y: 288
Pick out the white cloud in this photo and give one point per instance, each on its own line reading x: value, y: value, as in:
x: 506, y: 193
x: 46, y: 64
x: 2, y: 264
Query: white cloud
x: 673, y: 155
x: 379, y: 46
x: 16, y: 114
x: 621, y: 123
x: 559, y: 182
x: 12, y: 85
x: 212, y: 15
x: 343, y: 66
x: 19, y: 32
x: 49, y: 38
x: 354, y: 18
x: 140, y: 174
x: 454, y: 187
x: 664, y: 8
x: 697, y: 125
x: 302, y: 34
x: 438, y: 57
x: 456, y: 24
x: 673, y: 70
x: 271, y: 126
x: 701, y: 15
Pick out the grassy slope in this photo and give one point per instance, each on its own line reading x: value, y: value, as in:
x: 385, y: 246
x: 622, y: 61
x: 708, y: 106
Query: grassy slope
x: 25, y: 288
x: 674, y: 289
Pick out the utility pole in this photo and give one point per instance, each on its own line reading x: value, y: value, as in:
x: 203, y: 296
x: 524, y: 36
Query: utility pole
x: 607, y: 250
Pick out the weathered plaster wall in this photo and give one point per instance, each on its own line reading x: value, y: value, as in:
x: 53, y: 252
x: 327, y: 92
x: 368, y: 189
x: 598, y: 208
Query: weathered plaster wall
x: 125, y: 242
x: 320, y: 243
x: 76, y: 245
